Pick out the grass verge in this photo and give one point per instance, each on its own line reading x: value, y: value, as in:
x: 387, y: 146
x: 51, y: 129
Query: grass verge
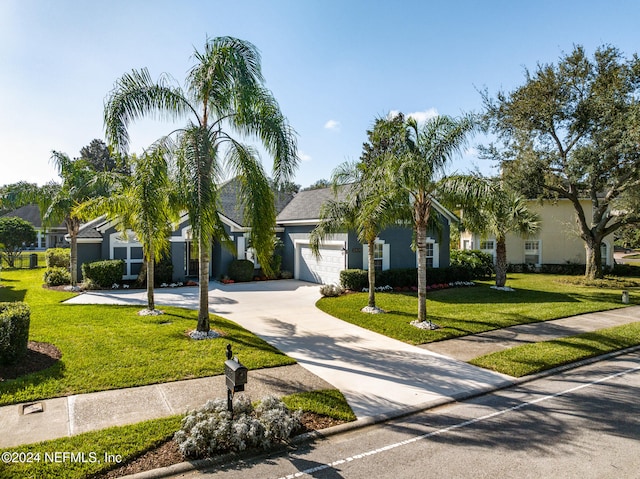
x: 98, y: 451
x: 533, y: 358
x: 108, y: 347
x: 464, y: 311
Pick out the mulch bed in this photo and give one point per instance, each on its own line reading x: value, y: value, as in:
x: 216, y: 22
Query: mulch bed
x: 39, y: 356
x: 168, y: 454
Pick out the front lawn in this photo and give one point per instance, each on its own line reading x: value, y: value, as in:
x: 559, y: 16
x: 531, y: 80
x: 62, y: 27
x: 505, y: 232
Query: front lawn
x: 535, y: 357
x: 464, y: 311
x: 109, y: 347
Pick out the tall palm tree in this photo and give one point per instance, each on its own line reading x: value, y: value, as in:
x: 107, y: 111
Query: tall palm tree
x: 78, y: 185
x: 416, y: 172
x: 501, y: 212
x: 224, y: 93
x: 144, y: 203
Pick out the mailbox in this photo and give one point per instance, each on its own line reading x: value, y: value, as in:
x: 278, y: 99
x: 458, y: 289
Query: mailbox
x: 236, y: 375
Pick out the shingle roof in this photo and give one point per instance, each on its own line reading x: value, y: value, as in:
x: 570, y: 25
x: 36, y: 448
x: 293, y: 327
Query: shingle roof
x: 30, y: 213
x: 306, y: 204
x: 231, y: 206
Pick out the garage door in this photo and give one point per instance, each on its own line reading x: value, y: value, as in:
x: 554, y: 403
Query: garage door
x: 325, y: 270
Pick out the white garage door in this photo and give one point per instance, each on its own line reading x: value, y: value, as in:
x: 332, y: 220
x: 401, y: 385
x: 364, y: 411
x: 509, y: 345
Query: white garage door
x: 325, y: 270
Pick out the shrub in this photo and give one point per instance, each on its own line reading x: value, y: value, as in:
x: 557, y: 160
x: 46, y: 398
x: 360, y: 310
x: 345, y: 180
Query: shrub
x: 57, y: 276
x: 354, y: 279
x: 241, y: 270
x: 479, y: 265
x: 58, y: 258
x: 103, y: 273
x: 213, y: 429
x: 331, y: 290
x: 398, y: 277
x: 163, y: 271
x: 284, y: 274
x: 625, y: 270
x: 14, y: 331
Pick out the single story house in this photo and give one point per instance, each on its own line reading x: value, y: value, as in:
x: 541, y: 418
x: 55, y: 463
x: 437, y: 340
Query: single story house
x: 297, y: 216
x: 47, y: 237
x: 557, y: 242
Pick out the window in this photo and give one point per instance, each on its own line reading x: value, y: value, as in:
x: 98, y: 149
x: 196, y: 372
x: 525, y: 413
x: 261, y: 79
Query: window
x: 129, y: 250
x: 487, y: 245
x: 603, y: 254
x: 377, y: 256
x: 430, y: 255
x: 532, y: 252
x: 381, y: 256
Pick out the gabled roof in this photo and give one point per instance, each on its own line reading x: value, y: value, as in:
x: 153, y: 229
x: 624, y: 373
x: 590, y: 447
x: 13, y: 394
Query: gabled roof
x: 305, y: 206
x: 231, y: 207
x: 30, y: 213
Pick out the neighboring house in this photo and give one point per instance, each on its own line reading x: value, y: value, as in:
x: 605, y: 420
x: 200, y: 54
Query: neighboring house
x: 297, y: 217
x: 558, y: 241
x: 49, y: 237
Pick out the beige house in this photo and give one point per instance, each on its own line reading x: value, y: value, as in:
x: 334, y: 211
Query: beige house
x: 558, y: 241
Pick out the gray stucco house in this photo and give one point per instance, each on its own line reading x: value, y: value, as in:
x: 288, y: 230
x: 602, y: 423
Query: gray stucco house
x: 297, y: 216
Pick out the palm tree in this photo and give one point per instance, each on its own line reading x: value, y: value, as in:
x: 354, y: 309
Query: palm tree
x: 144, y: 204
x: 224, y: 93
x: 78, y: 185
x: 501, y: 212
x: 416, y: 172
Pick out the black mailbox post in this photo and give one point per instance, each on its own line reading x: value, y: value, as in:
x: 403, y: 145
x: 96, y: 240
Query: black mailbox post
x: 236, y: 377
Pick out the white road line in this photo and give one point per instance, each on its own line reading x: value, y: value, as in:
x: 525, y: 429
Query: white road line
x: 445, y: 430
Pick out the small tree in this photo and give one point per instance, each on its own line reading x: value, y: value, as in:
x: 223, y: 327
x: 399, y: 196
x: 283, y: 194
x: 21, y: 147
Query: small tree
x: 15, y: 234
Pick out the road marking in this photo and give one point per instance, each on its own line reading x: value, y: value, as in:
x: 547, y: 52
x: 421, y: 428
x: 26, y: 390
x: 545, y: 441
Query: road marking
x: 445, y: 430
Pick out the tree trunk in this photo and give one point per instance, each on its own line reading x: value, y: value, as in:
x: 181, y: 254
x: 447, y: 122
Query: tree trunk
x: 421, y: 243
x: 372, y: 275
x: 593, y: 268
x: 501, y: 262
x: 150, y: 282
x: 203, y: 309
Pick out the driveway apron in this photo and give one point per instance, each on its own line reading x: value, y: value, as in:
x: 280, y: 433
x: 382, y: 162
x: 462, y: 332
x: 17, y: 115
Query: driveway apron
x: 376, y: 374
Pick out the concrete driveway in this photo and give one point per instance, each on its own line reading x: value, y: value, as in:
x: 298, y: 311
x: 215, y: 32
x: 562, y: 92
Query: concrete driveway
x: 377, y: 375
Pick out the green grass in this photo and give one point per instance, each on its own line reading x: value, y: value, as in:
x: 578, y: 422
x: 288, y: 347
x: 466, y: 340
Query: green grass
x: 464, y: 311
x: 109, y: 347
x: 130, y: 442
x: 328, y: 402
x: 532, y: 358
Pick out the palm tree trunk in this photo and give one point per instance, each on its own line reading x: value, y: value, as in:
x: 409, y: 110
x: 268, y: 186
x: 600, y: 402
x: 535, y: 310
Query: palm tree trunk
x: 421, y: 243
x: 203, y: 309
x: 150, y: 281
x: 372, y: 274
x: 501, y: 262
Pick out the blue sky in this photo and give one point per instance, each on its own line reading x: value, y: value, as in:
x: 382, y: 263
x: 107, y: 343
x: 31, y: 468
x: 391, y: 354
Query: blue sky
x: 334, y: 66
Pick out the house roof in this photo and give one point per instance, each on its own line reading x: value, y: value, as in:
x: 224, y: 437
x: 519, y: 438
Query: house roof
x: 90, y: 230
x: 306, y: 204
x: 30, y: 213
x: 232, y: 208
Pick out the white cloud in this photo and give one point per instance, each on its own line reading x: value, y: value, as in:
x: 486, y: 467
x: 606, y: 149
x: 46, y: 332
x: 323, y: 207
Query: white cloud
x: 419, y: 116
x: 332, y: 125
x: 304, y: 157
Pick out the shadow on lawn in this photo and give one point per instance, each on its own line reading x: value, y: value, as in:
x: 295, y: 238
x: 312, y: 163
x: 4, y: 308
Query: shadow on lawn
x: 12, y: 387
x: 8, y: 293
x: 486, y: 295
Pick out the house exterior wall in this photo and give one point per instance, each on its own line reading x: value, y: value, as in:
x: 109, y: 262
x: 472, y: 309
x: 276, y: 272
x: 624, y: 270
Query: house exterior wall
x: 88, y: 253
x: 558, y: 239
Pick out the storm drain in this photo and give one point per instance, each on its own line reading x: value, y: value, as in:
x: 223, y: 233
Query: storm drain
x: 34, y: 408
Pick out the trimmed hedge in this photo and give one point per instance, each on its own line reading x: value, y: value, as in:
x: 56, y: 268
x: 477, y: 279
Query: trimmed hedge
x: 354, y: 279
x: 57, y: 276
x: 478, y: 263
x: 357, y: 279
x: 14, y: 331
x: 241, y: 270
x: 58, y: 258
x: 103, y: 273
x: 625, y: 270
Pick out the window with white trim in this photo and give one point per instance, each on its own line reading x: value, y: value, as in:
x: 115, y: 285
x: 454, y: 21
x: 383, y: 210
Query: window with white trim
x: 487, y: 245
x: 532, y: 252
x: 381, y: 255
x: 603, y: 253
x: 430, y: 255
x: 130, y: 251
x: 433, y: 254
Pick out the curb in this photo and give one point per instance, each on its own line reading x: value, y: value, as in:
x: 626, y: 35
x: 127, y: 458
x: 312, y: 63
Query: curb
x: 184, y: 467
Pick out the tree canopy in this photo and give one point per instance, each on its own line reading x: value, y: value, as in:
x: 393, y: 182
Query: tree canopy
x: 571, y: 131
x: 15, y: 235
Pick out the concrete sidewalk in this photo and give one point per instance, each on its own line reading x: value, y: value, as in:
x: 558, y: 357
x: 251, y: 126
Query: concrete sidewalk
x: 377, y: 375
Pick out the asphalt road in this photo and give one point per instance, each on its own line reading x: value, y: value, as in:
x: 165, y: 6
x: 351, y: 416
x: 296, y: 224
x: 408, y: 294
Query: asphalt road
x: 584, y: 423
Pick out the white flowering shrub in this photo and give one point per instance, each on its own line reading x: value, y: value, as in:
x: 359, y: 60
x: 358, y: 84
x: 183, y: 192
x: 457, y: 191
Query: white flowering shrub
x: 212, y: 429
x: 331, y: 290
